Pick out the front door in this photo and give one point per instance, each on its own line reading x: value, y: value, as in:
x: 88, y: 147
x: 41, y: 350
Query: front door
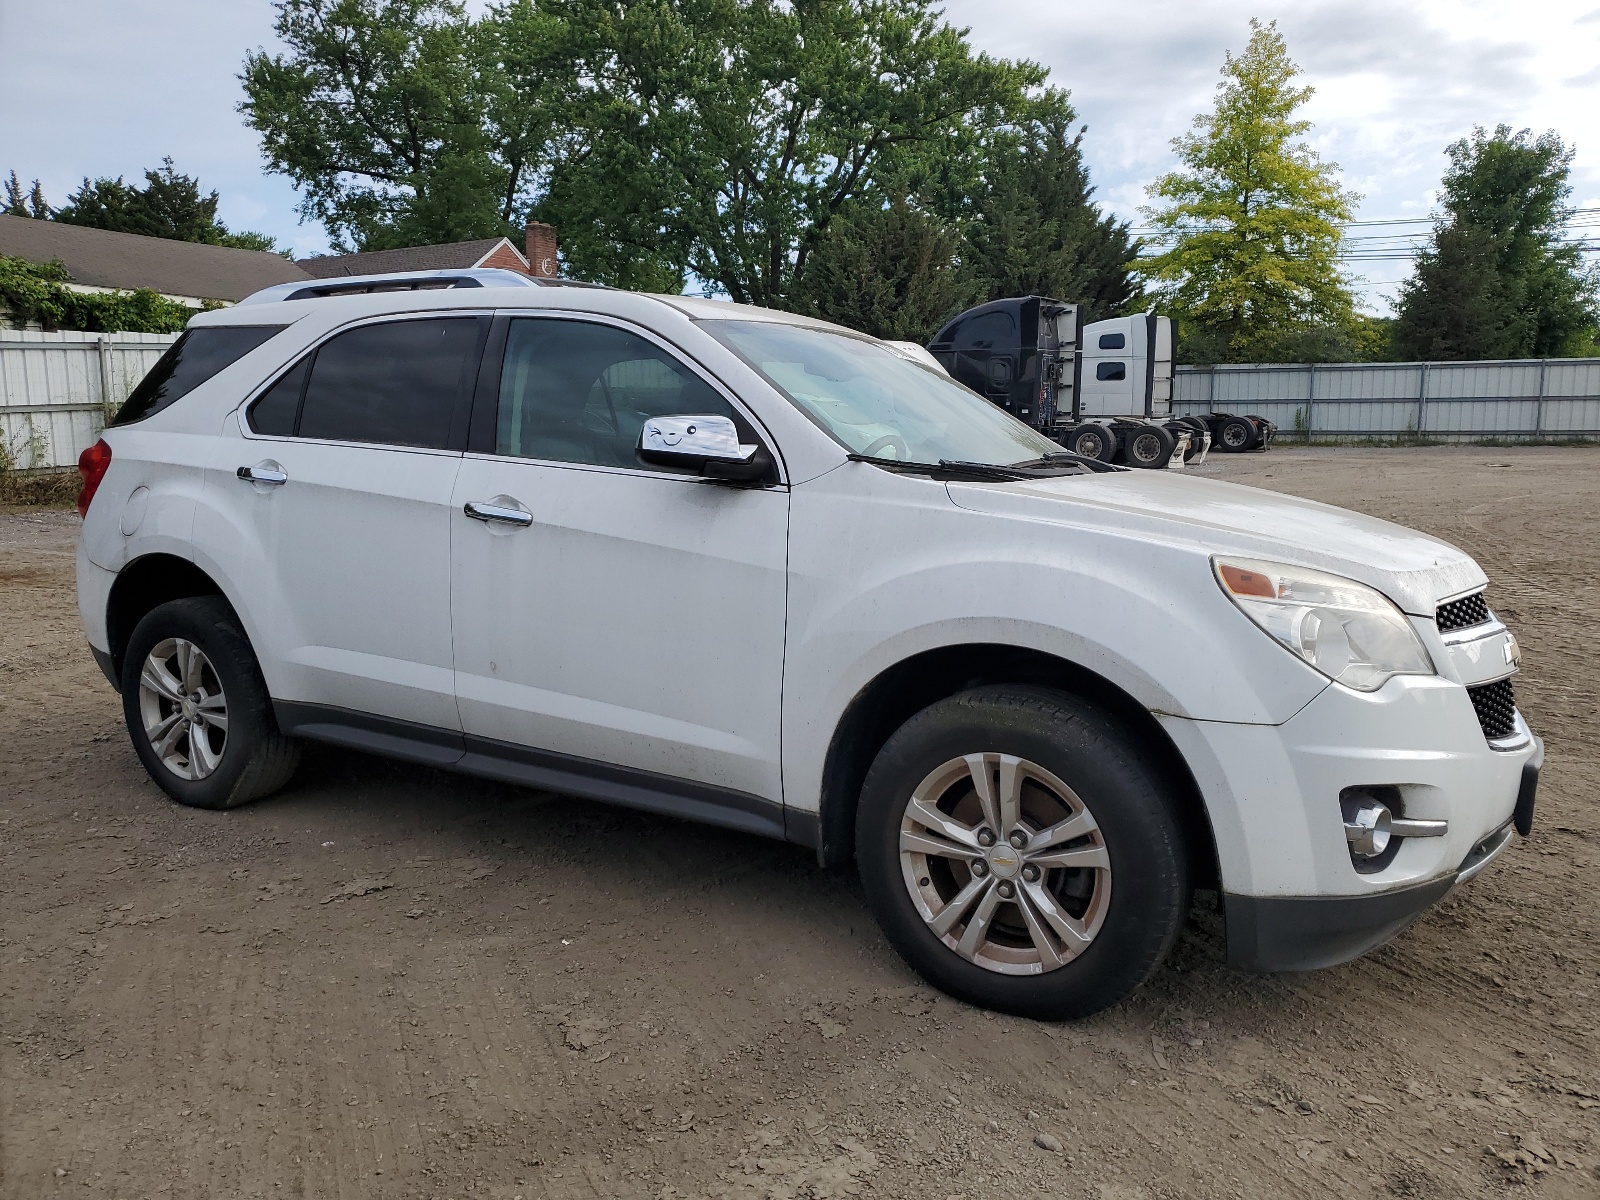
x: 338, y: 538
x: 608, y: 612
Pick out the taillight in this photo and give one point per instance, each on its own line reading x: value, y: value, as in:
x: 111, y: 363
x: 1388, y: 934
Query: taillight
x: 92, y: 464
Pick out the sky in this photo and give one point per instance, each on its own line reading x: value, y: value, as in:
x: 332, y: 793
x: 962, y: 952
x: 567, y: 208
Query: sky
x: 108, y: 87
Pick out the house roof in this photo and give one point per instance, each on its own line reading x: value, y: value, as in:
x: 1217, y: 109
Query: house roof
x: 451, y: 255
x: 101, y: 258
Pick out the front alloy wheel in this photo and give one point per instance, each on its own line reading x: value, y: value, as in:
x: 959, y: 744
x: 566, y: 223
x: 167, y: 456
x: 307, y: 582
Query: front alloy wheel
x: 990, y: 828
x: 183, y: 708
x: 1005, y: 863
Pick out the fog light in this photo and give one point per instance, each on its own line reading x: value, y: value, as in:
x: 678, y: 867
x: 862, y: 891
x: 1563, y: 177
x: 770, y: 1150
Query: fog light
x: 1368, y: 826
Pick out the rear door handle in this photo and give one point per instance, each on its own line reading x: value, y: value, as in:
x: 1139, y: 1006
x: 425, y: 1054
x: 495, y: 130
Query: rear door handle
x: 264, y: 472
x: 480, y: 511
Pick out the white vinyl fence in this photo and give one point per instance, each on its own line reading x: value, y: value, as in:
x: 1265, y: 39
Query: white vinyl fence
x: 56, y: 389
x: 1456, y: 401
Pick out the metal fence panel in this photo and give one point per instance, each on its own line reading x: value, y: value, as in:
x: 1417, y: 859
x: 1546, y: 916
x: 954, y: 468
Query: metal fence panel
x: 1449, y: 401
x: 1572, y: 377
x: 56, y: 389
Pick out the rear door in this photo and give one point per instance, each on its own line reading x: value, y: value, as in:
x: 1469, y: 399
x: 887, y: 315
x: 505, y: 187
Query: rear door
x: 330, y: 506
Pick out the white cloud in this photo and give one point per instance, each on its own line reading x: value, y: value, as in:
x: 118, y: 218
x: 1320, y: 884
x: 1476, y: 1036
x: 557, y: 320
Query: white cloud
x: 1396, y: 83
x: 108, y: 87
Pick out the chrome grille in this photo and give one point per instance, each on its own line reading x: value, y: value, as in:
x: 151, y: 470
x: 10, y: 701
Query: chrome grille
x: 1463, y: 613
x: 1496, y: 708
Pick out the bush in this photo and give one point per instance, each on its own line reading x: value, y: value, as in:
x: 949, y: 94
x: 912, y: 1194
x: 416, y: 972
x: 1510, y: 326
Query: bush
x: 34, y: 292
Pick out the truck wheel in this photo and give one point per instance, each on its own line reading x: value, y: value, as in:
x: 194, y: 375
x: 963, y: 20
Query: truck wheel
x: 1236, y: 434
x: 1093, y: 441
x: 197, y: 708
x: 1150, y: 446
x: 1020, y: 853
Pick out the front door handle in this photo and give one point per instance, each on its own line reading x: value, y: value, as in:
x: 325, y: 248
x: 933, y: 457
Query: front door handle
x: 267, y: 472
x: 482, y: 511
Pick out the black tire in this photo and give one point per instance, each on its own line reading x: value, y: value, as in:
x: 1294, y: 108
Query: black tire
x: 1148, y: 446
x: 1093, y: 441
x: 253, y: 758
x: 1236, y: 435
x: 1108, y: 770
x: 1265, y: 430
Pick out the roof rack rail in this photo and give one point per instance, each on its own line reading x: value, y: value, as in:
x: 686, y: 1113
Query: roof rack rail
x: 404, y: 281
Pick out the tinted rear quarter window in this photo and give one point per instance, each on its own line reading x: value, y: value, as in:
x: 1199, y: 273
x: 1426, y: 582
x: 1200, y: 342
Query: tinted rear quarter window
x: 1112, y: 341
x: 277, y: 408
x: 195, y: 357
x: 1110, y: 370
x: 396, y: 384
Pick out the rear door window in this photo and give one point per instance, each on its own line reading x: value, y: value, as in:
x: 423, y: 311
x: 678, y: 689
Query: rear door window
x: 396, y: 383
x: 195, y: 357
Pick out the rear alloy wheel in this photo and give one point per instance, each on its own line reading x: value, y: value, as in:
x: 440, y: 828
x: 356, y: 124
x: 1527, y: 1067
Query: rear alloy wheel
x: 1021, y: 852
x: 183, y: 708
x: 1150, y: 446
x: 197, y: 709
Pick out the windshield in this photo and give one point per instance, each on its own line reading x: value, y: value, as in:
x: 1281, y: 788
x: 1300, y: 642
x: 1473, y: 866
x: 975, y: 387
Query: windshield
x: 877, y: 403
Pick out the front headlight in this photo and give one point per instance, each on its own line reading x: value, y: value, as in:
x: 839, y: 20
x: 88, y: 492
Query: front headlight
x: 1347, y: 630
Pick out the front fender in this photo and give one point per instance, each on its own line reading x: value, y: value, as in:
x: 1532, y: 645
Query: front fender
x: 884, y: 567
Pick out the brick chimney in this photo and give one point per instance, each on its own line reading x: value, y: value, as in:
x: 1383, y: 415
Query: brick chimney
x: 540, y: 247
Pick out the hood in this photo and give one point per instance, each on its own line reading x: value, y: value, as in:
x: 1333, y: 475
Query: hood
x: 1414, y: 570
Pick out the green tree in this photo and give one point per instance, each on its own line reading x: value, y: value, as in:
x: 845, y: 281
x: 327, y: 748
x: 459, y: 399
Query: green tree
x: 662, y: 138
x: 1499, y: 281
x: 735, y: 131
x: 1251, y: 222
x: 1031, y: 225
x: 396, y: 121
x: 170, y: 205
x: 32, y: 205
x: 889, y: 270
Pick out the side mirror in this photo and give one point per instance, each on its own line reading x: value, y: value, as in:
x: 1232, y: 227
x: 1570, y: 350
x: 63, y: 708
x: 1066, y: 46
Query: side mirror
x: 707, y: 444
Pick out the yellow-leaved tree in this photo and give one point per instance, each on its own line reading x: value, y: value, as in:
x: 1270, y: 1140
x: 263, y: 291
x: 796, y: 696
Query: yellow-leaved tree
x: 1249, y: 226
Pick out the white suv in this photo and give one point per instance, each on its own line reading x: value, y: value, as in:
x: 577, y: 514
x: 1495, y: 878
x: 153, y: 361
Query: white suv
x: 762, y: 572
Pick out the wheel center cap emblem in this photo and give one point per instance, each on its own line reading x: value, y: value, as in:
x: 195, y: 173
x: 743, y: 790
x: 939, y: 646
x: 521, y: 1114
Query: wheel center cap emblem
x: 1004, y: 861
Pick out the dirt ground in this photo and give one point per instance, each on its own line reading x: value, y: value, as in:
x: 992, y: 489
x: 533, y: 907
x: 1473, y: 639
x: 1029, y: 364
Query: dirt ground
x: 393, y: 982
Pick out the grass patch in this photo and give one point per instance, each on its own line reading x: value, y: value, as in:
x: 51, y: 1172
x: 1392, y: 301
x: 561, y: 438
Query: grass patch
x: 39, y: 489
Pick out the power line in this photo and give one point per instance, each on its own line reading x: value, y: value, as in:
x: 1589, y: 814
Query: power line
x: 1594, y: 211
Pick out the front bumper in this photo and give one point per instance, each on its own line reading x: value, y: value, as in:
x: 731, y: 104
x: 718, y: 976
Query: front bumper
x: 1291, y: 894
x: 1305, y: 933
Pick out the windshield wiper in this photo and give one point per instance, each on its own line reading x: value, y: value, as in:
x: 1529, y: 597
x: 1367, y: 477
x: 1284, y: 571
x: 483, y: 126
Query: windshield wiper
x: 1009, y: 472
x: 1034, y: 468
x: 945, y: 466
x: 1065, y: 458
